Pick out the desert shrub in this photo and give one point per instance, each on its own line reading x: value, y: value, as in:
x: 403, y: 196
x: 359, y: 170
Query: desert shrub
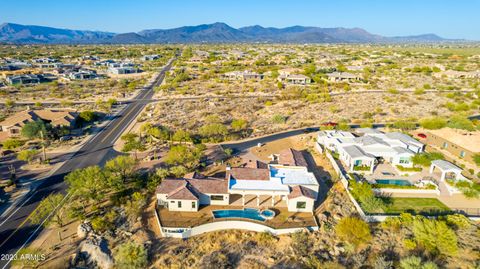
x: 435, y: 236
x: 265, y: 239
x: 100, y: 224
x: 354, y: 231
x: 392, y: 223
x: 414, y: 262
x: 409, y: 244
x: 301, y: 243
x: 215, y: 260
x: 12, y: 144
x: 458, y: 221
x: 131, y: 255
x: 433, y: 123
x: 279, y: 119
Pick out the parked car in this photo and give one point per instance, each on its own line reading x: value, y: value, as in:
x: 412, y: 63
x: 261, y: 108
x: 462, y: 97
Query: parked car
x: 422, y: 135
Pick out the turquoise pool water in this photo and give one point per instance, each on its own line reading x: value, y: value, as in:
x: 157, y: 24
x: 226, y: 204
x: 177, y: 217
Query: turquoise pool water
x: 398, y: 182
x: 247, y: 213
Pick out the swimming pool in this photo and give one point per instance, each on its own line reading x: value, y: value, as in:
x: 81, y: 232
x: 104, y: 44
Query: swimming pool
x: 247, y: 213
x: 398, y: 182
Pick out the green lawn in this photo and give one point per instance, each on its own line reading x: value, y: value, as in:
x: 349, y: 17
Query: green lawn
x: 414, y: 205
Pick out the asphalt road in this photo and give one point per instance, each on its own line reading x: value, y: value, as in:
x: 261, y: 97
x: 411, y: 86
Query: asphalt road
x: 243, y: 146
x: 15, y: 229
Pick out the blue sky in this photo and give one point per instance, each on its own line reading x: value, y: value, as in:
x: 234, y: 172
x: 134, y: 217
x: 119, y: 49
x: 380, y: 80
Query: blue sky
x: 447, y: 18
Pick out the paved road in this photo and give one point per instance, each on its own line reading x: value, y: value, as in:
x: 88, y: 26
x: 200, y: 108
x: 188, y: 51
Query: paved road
x: 15, y: 228
x: 243, y: 146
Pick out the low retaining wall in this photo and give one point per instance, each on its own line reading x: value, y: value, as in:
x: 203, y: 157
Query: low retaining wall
x: 406, y: 191
x: 227, y: 225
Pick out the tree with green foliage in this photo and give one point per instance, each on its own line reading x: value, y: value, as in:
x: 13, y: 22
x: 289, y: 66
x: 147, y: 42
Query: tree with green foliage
x: 52, y: 204
x: 87, y: 116
x: 131, y: 256
x: 433, y: 123
x: 181, y: 136
x: 34, y: 129
x: 435, y: 236
x: 156, y: 178
x: 186, y: 155
x: 27, y: 155
x: 119, y: 170
x: 132, y: 143
x: 178, y: 171
x: 89, y: 184
x: 214, y: 132
x: 354, y: 231
x: 134, y: 205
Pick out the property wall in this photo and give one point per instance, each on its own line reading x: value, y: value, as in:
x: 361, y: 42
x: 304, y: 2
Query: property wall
x: 228, y: 225
x: 452, y: 148
x: 292, y: 204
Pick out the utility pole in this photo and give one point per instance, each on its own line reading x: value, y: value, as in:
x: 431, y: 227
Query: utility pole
x: 43, y: 147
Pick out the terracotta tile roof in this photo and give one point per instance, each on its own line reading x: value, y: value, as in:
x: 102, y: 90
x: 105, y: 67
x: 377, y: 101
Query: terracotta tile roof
x: 298, y: 191
x: 257, y: 164
x: 245, y: 173
x: 182, y: 193
x: 186, y: 189
x: 291, y: 157
x: 56, y: 117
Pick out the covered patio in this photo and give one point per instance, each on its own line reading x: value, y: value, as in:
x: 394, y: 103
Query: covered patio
x: 447, y: 170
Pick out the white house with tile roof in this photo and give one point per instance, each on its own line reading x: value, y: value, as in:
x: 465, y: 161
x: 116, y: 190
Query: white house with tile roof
x: 288, y: 180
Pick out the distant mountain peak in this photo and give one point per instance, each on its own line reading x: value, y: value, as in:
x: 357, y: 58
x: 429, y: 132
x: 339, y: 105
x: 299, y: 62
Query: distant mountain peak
x: 217, y: 32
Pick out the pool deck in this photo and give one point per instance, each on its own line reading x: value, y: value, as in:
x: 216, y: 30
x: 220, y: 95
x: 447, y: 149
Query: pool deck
x: 283, y: 218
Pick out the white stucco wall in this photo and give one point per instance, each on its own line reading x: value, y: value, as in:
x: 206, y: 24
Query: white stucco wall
x: 228, y: 225
x: 186, y: 205
x: 292, y: 204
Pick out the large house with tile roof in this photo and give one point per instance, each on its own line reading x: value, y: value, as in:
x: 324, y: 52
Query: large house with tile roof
x: 287, y: 179
x: 13, y: 125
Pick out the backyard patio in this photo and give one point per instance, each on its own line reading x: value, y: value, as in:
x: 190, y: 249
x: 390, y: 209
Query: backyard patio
x: 283, y: 218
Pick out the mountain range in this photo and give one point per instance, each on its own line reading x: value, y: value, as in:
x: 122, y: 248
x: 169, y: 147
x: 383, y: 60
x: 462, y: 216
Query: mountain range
x: 205, y: 33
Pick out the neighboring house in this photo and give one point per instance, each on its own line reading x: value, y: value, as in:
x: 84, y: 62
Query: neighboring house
x: 83, y: 74
x: 151, y: 57
x: 104, y: 62
x: 460, y: 144
x: 45, y: 60
x: 292, y: 183
x: 343, y: 76
x: 122, y: 68
x: 362, y: 153
x: 294, y: 79
x: 242, y: 75
x: 13, y: 124
x: 25, y: 79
